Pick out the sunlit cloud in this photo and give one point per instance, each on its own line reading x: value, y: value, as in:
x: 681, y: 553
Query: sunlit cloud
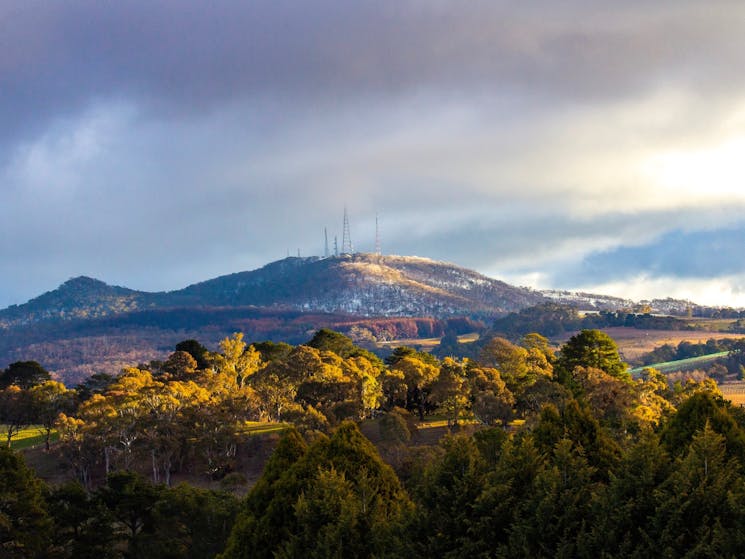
x: 707, y: 175
x: 726, y: 291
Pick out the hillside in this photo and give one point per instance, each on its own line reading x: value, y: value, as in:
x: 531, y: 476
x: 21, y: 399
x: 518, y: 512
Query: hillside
x: 77, y: 298
x: 668, y: 306
x: 360, y: 284
x: 87, y: 326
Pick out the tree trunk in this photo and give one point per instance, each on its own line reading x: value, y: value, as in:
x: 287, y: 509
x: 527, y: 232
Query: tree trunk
x: 155, y: 466
x: 107, y: 458
x: 167, y: 471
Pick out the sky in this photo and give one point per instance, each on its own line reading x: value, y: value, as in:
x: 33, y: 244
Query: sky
x: 595, y: 146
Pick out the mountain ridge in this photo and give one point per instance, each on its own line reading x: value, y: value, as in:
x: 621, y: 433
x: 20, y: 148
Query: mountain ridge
x: 358, y: 284
x: 86, y: 326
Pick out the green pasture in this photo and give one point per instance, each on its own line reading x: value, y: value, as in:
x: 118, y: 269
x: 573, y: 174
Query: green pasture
x: 25, y: 438
x: 438, y: 420
x: 681, y: 364
x: 33, y: 435
x: 262, y: 428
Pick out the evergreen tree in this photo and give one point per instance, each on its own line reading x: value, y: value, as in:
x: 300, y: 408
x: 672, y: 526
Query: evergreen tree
x: 25, y: 525
x: 131, y: 501
x: 83, y: 526
x: 700, y: 503
x: 693, y: 414
x: 191, y: 523
x: 446, y: 499
x: 329, y: 340
x: 506, y: 488
x: 576, y: 423
x: 260, y: 525
x: 590, y: 348
x: 339, y: 489
x: 550, y: 522
x: 24, y: 374
x: 620, y: 523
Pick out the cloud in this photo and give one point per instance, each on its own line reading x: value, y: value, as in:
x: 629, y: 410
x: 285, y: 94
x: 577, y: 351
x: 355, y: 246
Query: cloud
x: 154, y: 144
x: 191, y: 56
x: 685, y: 255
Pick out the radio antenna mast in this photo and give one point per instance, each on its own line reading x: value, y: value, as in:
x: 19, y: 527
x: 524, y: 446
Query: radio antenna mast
x: 377, y: 236
x: 346, y: 237
x: 325, y: 243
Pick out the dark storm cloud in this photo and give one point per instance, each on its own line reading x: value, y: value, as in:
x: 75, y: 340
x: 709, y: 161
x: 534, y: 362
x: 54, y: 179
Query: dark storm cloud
x: 57, y: 57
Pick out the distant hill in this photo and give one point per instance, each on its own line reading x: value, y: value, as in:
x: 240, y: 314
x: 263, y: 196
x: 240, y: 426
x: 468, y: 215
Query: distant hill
x: 77, y: 298
x: 360, y: 284
x: 86, y: 326
x: 669, y: 306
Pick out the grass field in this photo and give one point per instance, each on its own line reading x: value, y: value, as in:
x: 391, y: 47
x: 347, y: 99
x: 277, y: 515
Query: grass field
x: 262, y: 428
x: 734, y: 392
x: 426, y: 344
x: 633, y: 343
x: 682, y: 364
x: 26, y: 438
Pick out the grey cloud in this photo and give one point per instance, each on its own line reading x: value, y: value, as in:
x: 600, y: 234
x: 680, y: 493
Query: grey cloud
x: 190, y: 55
x: 684, y: 255
x: 233, y: 131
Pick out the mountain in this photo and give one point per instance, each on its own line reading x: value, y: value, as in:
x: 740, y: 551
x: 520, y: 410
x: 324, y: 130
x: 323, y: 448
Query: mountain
x: 361, y: 285
x: 86, y: 326
x: 593, y: 301
x: 77, y: 298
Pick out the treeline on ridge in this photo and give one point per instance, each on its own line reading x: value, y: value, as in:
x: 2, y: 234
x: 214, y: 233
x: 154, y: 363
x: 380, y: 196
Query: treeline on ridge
x: 553, y: 319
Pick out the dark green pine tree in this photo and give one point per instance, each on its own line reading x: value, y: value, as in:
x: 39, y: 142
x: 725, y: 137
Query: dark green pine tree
x: 131, y: 500
x: 83, y: 526
x: 264, y: 518
x: 552, y: 519
x: 24, y: 374
x: 575, y: 422
x: 590, y: 348
x: 445, y: 501
x: 338, y: 499
x: 700, y: 512
x: 330, y: 340
x: 506, y: 488
x: 192, y: 523
x: 693, y: 414
x: 25, y: 525
x: 620, y: 523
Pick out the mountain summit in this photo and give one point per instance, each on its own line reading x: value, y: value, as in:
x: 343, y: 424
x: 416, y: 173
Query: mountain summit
x: 363, y: 285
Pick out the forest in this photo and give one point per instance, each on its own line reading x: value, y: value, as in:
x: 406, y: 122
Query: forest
x: 546, y: 454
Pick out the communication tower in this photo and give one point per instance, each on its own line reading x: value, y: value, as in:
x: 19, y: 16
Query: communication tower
x: 377, y: 236
x: 346, y: 238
